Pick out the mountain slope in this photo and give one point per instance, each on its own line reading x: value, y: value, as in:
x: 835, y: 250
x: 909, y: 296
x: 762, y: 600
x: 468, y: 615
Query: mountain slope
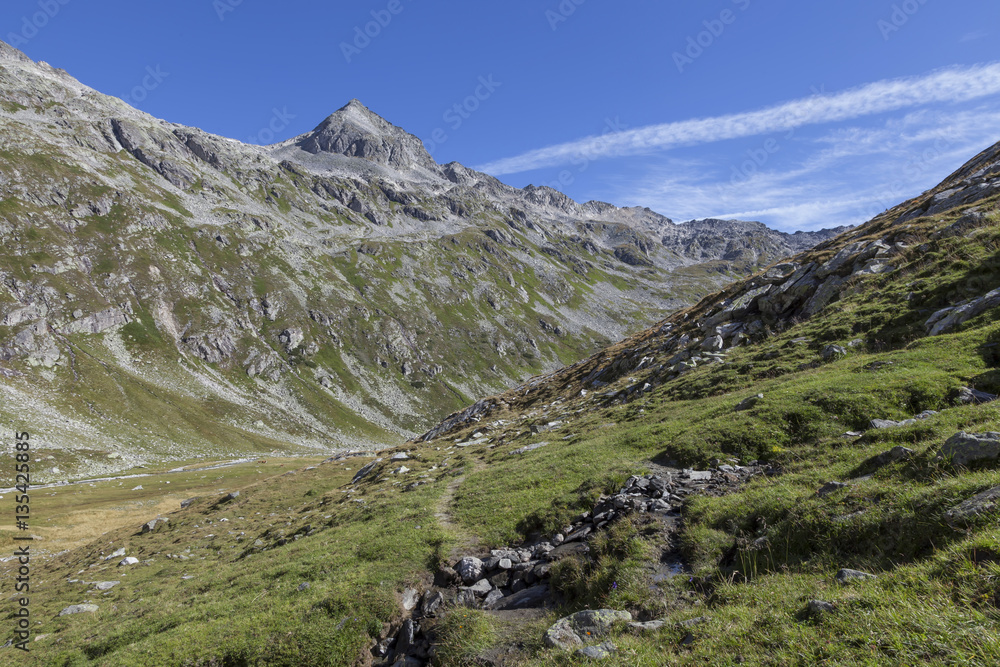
x: 797, y: 289
x: 174, y: 294
x: 842, y: 519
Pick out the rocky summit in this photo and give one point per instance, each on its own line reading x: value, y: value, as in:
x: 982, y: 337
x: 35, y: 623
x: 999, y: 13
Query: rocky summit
x: 172, y: 294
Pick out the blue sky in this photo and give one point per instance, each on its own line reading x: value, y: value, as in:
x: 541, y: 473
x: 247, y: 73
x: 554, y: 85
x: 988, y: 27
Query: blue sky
x: 798, y: 114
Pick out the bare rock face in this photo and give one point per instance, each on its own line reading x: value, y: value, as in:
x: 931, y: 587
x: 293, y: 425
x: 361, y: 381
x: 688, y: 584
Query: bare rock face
x: 97, y: 322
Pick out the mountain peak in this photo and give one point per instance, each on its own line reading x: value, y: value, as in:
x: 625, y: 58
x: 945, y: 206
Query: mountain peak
x: 355, y: 130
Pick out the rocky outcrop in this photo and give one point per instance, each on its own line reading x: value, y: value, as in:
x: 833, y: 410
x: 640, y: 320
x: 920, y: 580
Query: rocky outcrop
x: 965, y: 449
x: 947, y: 319
x: 97, y: 322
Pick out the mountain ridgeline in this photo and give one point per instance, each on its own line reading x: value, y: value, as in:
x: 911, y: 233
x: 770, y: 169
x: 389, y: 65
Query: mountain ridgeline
x: 169, y: 293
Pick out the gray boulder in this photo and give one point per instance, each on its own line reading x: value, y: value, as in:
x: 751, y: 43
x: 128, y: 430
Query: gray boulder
x: 964, y: 449
x: 105, y: 585
x: 832, y: 352
x: 364, y: 472
x: 79, y: 609
x: 648, y: 626
x: 576, y: 629
x: 492, y: 598
x: 534, y: 596
x: 818, y: 607
x: 599, y: 652
x: 748, y: 403
x: 968, y: 396
x: 471, y: 570
x: 846, y: 576
x: 713, y: 343
x: 984, y: 503
x: 151, y: 526
x: 831, y: 487
x: 892, y: 456
x: 410, y: 599
x: 947, y: 319
x: 481, y: 588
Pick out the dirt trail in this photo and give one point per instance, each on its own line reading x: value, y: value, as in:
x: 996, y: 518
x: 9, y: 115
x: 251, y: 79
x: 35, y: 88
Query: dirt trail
x: 466, y: 543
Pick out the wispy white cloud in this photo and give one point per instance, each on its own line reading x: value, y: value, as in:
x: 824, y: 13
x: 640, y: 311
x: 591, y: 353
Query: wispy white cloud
x: 844, y: 175
x: 973, y: 36
x: 957, y: 84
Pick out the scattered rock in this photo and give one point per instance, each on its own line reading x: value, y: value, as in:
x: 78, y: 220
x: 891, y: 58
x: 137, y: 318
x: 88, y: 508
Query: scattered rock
x: 187, y: 503
x: 528, y: 448
x: 118, y: 553
x: 831, y: 487
x: 883, y: 423
x: 985, y: 503
x: 470, y: 569
x: 534, y: 596
x: 892, y: 456
x: 411, y: 598
x: 818, y: 607
x: 481, y: 588
x: 832, y: 352
x: 964, y: 449
x: 304, y: 586
x: 131, y: 560
x: 583, y: 626
x: 566, y: 550
x: 151, y: 526
x: 492, y: 598
x: 79, y: 609
x: 599, y: 652
x: 431, y: 603
x: 968, y: 396
x: 748, y: 403
x: 361, y: 474
x: 846, y: 576
x: 402, y: 456
x: 466, y: 598
x: 105, y: 585
x: 406, y: 637
x: 947, y: 319
x: 648, y: 626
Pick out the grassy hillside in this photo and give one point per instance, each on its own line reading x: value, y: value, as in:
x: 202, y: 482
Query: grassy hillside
x: 309, y: 567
